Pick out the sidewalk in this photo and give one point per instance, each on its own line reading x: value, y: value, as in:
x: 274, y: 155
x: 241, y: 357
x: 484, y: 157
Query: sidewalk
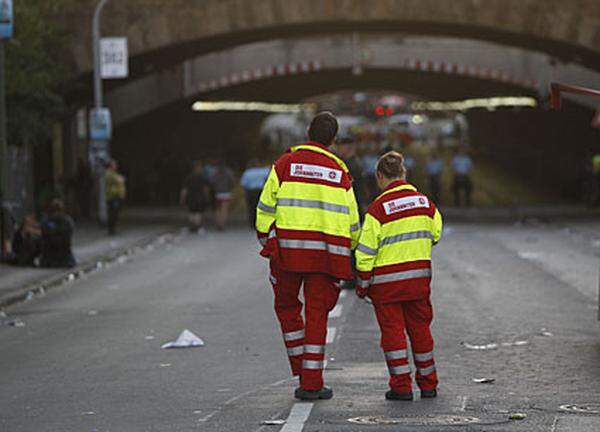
x: 519, y: 214
x: 90, y: 243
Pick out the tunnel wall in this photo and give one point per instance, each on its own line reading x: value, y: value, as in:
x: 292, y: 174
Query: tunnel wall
x: 547, y: 149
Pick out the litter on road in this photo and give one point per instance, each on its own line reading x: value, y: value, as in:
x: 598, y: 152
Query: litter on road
x: 186, y: 339
x: 518, y: 416
x: 484, y: 380
x: 489, y: 346
x: 272, y: 422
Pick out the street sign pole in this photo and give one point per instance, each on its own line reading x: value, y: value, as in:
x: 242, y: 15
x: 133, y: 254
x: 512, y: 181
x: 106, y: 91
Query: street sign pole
x: 98, y: 164
x: 6, y: 32
x: 3, y: 154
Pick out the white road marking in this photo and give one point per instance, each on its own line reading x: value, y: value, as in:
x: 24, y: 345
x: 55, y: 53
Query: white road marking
x: 330, y: 335
x: 336, y: 312
x: 298, y: 416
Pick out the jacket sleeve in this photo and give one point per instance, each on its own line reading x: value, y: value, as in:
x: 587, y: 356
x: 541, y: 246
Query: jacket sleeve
x: 367, y: 249
x: 354, y: 217
x: 437, y: 226
x: 267, y: 204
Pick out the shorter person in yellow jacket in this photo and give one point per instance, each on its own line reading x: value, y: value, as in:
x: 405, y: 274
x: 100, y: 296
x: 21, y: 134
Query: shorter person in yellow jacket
x: 393, y: 259
x: 115, y: 194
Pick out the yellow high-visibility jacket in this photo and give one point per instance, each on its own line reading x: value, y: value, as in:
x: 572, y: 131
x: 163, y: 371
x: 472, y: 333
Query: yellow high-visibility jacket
x: 393, y: 257
x: 307, y: 216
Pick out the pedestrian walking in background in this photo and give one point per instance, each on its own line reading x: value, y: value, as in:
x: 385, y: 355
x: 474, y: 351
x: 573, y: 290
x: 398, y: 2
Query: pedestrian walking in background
x: 434, y: 168
x: 57, y: 234
x: 223, y: 182
x: 308, y: 224
x: 346, y: 149
x: 369, y: 164
x: 393, y: 258
x: 462, y: 166
x: 196, y: 195
x: 253, y: 179
x: 116, y: 191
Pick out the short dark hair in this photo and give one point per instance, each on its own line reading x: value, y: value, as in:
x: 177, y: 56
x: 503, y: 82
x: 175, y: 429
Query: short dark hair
x: 323, y: 128
x: 391, y: 165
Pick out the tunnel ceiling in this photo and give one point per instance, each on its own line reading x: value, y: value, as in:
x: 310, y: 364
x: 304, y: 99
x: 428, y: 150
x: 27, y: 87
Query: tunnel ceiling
x: 451, y: 68
x: 164, y: 32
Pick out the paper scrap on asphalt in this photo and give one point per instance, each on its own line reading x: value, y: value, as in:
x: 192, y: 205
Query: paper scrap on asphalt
x: 489, y: 346
x: 272, y: 422
x: 484, y: 380
x: 186, y: 339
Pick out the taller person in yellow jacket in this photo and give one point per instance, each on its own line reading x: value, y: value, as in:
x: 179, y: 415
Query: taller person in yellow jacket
x: 308, y: 223
x: 393, y: 259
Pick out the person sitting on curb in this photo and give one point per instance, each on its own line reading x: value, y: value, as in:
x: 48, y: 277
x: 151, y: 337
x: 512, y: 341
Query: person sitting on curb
x: 57, y: 234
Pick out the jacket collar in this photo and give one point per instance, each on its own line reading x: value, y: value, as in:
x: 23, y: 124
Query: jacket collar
x: 320, y: 148
x: 396, y: 186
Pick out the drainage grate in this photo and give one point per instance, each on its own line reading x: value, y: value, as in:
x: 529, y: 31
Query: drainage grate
x: 438, y: 420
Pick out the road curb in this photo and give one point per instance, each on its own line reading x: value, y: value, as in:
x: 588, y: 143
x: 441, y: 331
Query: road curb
x: 45, y: 284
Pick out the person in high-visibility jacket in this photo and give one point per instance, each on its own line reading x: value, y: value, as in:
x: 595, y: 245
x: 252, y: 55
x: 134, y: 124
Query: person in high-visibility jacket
x: 393, y: 259
x: 308, y: 224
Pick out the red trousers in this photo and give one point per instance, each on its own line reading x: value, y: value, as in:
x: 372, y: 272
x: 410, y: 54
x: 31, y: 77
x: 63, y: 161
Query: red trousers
x: 414, y: 318
x: 305, y: 343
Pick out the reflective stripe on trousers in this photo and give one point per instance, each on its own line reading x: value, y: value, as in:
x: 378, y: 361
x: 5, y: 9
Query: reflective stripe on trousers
x: 423, y: 357
x: 313, y: 364
x: 399, y: 370
x: 426, y: 371
x: 292, y: 336
x: 314, y: 349
x: 295, y: 351
x: 395, y: 355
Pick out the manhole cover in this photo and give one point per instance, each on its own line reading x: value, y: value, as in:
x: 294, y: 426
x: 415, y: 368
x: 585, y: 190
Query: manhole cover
x: 583, y: 409
x: 438, y: 420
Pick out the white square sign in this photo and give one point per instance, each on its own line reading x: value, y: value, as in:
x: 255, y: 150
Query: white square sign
x: 114, y: 58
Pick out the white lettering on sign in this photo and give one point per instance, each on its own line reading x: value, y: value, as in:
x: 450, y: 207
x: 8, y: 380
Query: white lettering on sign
x: 404, y: 204
x: 316, y: 172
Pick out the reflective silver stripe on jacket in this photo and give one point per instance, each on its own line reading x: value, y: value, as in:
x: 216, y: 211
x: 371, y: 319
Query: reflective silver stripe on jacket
x: 424, y: 356
x: 364, y: 283
x: 272, y: 234
x: 267, y: 209
x: 426, y: 371
x: 395, y: 355
x: 394, y: 277
x: 314, y: 349
x: 354, y: 227
x: 316, y: 245
x: 295, y: 351
x: 292, y: 336
x: 366, y: 249
x: 313, y: 204
x: 312, y: 364
x: 406, y: 236
x: 399, y: 370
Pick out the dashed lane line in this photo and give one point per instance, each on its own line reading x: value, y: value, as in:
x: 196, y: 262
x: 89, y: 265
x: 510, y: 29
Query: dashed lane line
x: 336, y: 312
x: 331, y: 331
x: 297, y: 418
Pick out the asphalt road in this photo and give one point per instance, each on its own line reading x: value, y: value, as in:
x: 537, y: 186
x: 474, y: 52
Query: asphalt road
x: 89, y: 357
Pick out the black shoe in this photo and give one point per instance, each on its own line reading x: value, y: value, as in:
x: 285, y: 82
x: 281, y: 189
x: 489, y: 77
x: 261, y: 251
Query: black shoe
x: 324, y: 393
x: 392, y: 395
x: 428, y: 394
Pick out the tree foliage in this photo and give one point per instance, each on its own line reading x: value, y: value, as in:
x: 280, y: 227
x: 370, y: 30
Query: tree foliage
x: 33, y: 71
